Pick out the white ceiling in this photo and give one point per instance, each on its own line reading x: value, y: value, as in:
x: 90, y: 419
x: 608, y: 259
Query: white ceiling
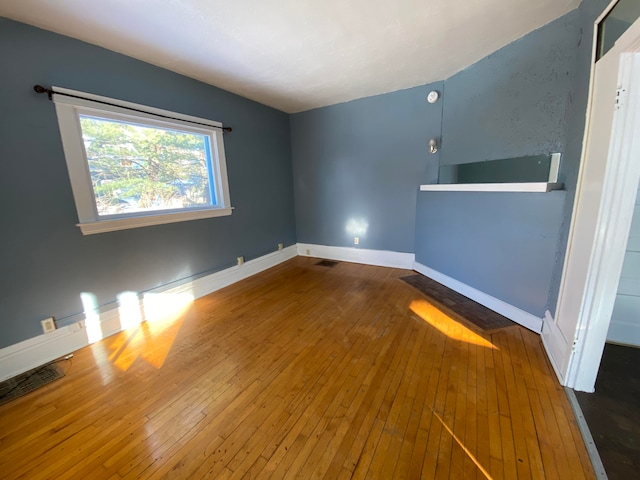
x: 295, y: 55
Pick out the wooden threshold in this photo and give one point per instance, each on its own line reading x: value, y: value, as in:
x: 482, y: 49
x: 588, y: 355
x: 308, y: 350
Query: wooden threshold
x: 302, y: 370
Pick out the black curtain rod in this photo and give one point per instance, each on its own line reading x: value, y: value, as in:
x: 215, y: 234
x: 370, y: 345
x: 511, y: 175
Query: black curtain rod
x: 50, y: 93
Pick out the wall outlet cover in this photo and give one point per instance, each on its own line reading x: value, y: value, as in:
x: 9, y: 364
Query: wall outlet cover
x: 48, y: 325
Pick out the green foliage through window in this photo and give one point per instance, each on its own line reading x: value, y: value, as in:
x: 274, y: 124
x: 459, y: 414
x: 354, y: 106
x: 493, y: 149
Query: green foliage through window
x: 137, y: 168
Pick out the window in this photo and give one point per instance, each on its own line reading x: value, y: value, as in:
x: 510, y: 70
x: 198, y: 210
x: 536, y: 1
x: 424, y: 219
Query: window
x: 137, y: 168
x: 614, y: 24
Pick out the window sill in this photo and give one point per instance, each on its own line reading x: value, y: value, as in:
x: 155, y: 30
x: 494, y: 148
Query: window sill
x: 493, y: 187
x: 111, y: 225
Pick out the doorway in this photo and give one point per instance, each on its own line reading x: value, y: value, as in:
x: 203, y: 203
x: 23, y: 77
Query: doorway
x: 603, y: 210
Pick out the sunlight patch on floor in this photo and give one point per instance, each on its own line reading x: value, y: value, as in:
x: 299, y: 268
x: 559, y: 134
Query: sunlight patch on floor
x: 151, y: 339
x: 465, y: 449
x: 447, y: 325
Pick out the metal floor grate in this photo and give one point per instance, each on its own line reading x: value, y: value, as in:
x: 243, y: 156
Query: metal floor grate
x: 452, y: 302
x: 28, y: 382
x: 327, y: 263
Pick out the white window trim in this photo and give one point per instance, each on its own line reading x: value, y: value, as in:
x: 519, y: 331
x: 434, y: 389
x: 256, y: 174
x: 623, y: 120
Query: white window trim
x: 68, y: 110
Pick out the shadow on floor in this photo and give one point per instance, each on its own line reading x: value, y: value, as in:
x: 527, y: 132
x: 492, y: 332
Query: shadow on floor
x: 613, y: 411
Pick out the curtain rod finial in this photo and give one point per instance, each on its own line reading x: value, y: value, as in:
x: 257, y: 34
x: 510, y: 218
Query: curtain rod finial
x: 41, y: 89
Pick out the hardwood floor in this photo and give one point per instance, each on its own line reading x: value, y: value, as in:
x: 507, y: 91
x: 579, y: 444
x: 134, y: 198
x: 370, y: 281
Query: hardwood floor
x: 301, y: 371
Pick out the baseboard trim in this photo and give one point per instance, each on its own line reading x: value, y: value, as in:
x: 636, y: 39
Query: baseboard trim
x: 36, y: 351
x: 381, y: 258
x: 516, y: 314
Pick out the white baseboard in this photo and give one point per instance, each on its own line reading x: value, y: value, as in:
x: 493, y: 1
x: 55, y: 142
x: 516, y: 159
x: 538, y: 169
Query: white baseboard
x: 36, y: 351
x: 205, y: 285
x: 381, y: 258
x: 39, y: 350
x: 519, y: 316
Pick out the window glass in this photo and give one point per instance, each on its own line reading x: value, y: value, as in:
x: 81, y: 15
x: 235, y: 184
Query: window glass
x: 617, y: 21
x: 137, y: 168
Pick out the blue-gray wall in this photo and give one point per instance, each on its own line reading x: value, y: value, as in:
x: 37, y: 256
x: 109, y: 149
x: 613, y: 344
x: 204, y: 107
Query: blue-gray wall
x: 46, y: 262
x: 513, y: 103
x: 364, y: 160
x: 503, y: 244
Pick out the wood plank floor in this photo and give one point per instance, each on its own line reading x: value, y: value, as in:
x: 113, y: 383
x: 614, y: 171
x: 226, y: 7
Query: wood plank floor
x: 301, y: 371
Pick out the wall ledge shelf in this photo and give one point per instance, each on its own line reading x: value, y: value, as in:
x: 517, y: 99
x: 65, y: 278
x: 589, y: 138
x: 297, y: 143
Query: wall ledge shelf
x: 492, y: 187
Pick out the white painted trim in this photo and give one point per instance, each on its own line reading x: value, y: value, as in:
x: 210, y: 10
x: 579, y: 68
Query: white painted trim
x: 79, y: 175
x: 36, y: 351
x: 554, y: 168
x: 381, y: 258
x: 516, y: 314
x: 537, y: 187
x: 553, y: 342
x: 617, y: 203
x: 30, y: 353
x: 216, y: 281
x: 601, y: 17
x: 68, y: 110
x: 113, y: 224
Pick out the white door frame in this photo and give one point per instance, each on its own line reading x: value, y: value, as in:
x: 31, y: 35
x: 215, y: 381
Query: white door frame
x: 595, y: 250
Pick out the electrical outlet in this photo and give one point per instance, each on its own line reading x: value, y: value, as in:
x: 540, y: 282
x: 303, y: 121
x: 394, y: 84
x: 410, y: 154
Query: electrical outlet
x: 281, y: 246
x: 240, y: 260
x: 48, y: 325
x: 76, y: 327
x: 356, y: 240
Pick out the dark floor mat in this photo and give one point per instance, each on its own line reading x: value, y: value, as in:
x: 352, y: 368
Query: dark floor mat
x: 28, y: 382
x: 613, y: 411
x: 453, y: 302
